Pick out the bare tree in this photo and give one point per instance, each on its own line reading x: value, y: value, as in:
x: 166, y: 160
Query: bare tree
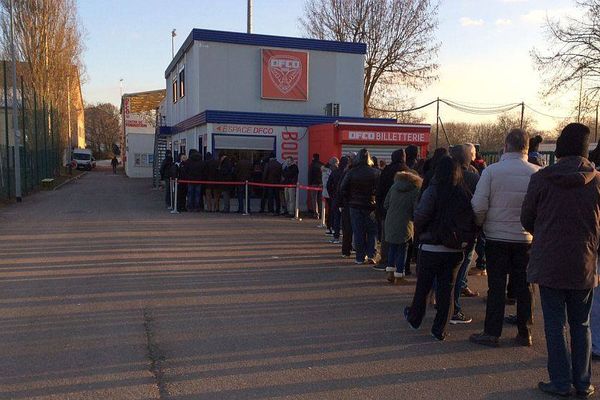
x: 102, y: 128
x: 399, y: 35
x: 573, y: 55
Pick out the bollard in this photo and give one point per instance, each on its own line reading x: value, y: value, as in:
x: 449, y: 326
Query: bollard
x: 246, y: 199
x: 297, y: 205
x: 174, y: 211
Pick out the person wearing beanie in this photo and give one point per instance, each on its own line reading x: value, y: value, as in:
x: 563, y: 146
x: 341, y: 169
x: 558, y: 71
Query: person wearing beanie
x: 562, y: 211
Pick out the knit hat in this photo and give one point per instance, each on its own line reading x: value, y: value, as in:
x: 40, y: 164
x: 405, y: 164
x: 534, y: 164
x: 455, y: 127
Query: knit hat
x: 333, y: 161
x: 573, y: 141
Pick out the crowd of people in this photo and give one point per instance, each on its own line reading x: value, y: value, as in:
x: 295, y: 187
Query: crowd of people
x: 526, y: 223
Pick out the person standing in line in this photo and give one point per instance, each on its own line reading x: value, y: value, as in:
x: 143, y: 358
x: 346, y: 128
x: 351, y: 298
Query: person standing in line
x: 178, y: 172
x: 332, y: 188
x: 386, y: 181
x: 166, y: 175
x: 193, y: 171
x: 211, y: 171
x: 358, y: 189
x: 534, y: 156
x: 478, y: 163
x: 314, y: 179
x: 562, y: 211
x: 445, y: 224
x: 412, y: 154
x: 290, y: 177
x: 326, y: 171
x: 399, y: 204
x: 347, y: 237
x: 243, y: 173
x: 497, y: 205
x: 226, y: 175
x: 272, y: 175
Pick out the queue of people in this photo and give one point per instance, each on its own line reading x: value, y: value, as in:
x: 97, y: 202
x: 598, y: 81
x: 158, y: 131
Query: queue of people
x: 527, y: 224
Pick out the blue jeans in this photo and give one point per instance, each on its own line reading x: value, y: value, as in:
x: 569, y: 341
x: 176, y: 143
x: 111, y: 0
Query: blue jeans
x: 560, y: 306
x: 595, y: 322
x: 480, y: 250
x: 241, y: 195
x: 336, y: 219
x: 193, y: 196
x: 461, y: 278
x: 397, y: 257
x: 364, y: 229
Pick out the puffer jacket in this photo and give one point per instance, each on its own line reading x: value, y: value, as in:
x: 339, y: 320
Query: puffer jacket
x: 359, y: 186
x: 562, y: 211
x: 499, y: 195
x: 400, y: 203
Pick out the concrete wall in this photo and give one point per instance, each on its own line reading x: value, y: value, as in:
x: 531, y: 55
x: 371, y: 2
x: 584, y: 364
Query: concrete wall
x: 221, y: 76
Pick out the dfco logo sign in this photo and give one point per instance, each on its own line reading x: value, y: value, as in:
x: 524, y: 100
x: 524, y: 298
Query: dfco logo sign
x: 284, y: 75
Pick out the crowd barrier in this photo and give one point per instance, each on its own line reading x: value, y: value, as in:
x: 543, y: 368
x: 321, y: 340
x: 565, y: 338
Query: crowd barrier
x: 173, y: 185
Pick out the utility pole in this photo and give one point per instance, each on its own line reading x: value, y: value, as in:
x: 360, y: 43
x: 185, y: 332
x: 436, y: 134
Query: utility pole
x: 249, y: 17
x: 437, y: 123
x: 173, y: 34
x: 15, y: 119
x: 522, y: 113
x: 596, y: 130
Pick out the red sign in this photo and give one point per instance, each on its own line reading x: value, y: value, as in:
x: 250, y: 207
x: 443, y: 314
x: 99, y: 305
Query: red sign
x: 386, y: 137
x: 284, y: 75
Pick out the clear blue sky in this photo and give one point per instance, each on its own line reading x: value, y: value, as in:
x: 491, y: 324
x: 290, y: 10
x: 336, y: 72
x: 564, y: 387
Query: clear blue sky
x: 484, y: 58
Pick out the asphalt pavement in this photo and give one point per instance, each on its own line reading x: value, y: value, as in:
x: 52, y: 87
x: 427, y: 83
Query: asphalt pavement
x: 106, y: 295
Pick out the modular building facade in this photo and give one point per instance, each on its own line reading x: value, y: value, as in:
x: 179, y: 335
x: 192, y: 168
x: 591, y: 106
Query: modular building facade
x: 250, y: 95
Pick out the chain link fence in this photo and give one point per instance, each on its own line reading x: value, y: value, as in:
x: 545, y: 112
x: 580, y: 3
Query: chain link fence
x: 40, y: 155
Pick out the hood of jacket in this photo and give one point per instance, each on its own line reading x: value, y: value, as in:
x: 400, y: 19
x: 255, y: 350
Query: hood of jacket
x: 196, y: 156
x: 570, y: 172
x: 406, y: 182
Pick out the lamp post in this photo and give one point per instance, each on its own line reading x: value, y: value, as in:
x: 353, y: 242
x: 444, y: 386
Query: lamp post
x: 173, y: 34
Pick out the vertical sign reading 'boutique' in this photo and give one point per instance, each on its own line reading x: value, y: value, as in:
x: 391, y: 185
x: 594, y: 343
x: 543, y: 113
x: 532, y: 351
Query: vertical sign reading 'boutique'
x: 284, y: 75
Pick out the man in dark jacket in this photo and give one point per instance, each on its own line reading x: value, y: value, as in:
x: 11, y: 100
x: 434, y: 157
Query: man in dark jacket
x: 210, y: 172
x: 243, y: 173
x: 562, y: 211
x: 333, y: 184
x: 385, y: 183
x: 290, y: 177
x: 315, y: 179
x: 358, y: 190
x: 166, y: 175
x: 272, y: 174
x: 193, y: 171
x: 226, y: 175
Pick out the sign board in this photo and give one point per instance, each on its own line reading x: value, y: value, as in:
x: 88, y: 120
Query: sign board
x: 284, y: 75
x: 141, y: 122
x: 386, y: 137
x: 244, y: 129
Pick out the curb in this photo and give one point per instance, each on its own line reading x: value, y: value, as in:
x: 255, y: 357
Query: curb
x: 70, y: 180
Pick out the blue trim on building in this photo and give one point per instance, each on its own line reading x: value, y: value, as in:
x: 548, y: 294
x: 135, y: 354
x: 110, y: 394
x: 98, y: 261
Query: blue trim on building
x: 252, y: 39
x: 251, y: 118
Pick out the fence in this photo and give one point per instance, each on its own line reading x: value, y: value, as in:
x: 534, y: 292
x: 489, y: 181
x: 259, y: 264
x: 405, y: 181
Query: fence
x: 491, y: 157
x: 40, y: 155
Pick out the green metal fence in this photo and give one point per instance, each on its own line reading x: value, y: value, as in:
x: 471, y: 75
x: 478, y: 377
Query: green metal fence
x: 491, y: 157
x: 40, y: 155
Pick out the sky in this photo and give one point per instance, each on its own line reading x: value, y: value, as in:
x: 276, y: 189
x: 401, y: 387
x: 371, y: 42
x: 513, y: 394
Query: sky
x: 485, y: 55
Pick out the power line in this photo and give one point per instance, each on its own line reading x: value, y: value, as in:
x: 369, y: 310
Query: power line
x: 403, y: 111
x: 544, y: 114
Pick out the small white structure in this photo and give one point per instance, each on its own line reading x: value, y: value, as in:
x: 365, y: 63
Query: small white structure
x: 139, y: 112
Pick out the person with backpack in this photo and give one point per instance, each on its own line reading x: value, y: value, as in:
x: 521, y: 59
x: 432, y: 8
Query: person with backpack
x: 445, y: 224
x: 497, y: 204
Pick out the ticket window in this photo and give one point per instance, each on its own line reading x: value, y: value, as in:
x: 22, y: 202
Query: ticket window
x: 253, y: 148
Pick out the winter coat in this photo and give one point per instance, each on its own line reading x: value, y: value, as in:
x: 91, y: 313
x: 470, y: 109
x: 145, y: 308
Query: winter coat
x: 193, y: 167
x: 499, y: 195
x: 333, y: 183
x: 325, y: 174
x: 359, y: 186
x: 225, y: 170
x: 536, y: 158
x: 211, y: 169
x: 399, y: 204
x: 166, y: 169
x: 272, y: 172
x: 562, y: 211
x: 290, y: 174
x: 314, y: 173
x: 471, y: 178
x: 243, y: 170
x: 386, y: 179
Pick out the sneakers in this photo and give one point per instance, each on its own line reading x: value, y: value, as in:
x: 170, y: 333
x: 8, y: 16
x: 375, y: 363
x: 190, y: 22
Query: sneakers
x: 329, y: 232
x: 523, y: 340
x: 406, y: 311
x: 460, y: 318
x: 359, y: 262
x: 372, y: 261
x: 484, y: 339
x: 335, y: 241
x: 587, y: 393
x: 439, y: 337
x: 379, y: 267
x: 346, y: 255
x: 466, y: 292
x: 550, y: 389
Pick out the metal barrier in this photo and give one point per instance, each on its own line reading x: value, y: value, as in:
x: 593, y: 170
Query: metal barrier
x: 174, y: 184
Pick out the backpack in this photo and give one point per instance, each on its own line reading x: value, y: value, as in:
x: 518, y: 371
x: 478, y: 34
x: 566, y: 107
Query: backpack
x: 455, y: 227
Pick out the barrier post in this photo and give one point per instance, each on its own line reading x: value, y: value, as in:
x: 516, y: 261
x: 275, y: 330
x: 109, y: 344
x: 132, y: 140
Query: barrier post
x: 323, y: 207
x: 171, y: 193
x: 297, y: 203
x: 174, y: 211
x: 246, y: 198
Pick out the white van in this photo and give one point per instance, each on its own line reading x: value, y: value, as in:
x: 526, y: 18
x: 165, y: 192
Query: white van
x: 84, y: 159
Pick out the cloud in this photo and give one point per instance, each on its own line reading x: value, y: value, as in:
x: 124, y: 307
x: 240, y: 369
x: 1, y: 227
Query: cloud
x: 466, y: 21
x: 503, y: 22
x: 539, y: 16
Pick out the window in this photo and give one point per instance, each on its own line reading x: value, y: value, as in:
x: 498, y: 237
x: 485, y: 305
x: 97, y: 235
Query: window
x: 181, y: 83
x: 175, y: 90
